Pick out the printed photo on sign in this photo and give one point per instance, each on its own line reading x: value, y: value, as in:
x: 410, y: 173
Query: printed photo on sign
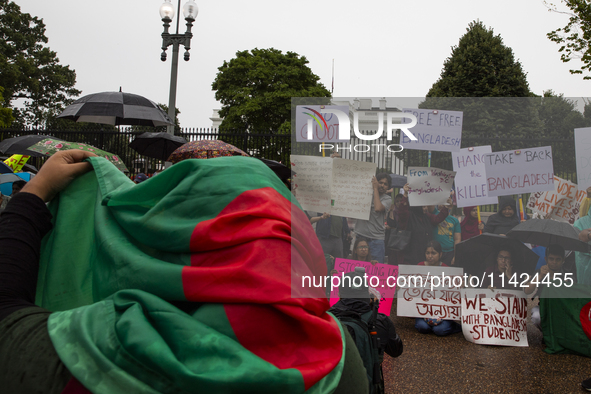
x: 519, y: 171
x: 429, y: 185
x: 377, y: 274
x: 429, y: 292
x: 494, y: 317
x: 435, y: 130
x: 471, y: 184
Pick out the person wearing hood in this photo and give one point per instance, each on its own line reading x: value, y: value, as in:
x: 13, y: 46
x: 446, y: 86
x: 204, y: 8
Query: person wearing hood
x: 505, y: 219
x: 470, y: 226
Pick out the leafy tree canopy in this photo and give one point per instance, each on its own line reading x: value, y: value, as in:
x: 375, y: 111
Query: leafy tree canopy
x: 6, y: 117
x: 255, y: 89
x: 575, y: 38
x: 29, y: 70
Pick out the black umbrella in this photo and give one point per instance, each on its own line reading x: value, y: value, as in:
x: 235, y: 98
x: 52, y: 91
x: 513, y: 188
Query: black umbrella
x: 19, y: 145
x: 157, y: 145
x: 398, y: 180
x: 545, y: 232
x: 116, y: 108
x: 281, y: 170
x: 478, y: 253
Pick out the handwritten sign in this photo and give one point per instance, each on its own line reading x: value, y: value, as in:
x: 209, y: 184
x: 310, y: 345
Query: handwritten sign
x: 380, y: 273
x: 471, y: 186
x: 494, y: 318
x: 351, y: 191
x: 583, y: 156
x: 520, y: 171
x: 312, y: 181
x: 429, y: 185
x: 324, y: 127
x: 435, y: 130
x: 423, y: 293
x: 16, y: 162
x: 338, y: 186
x: 560, y: 204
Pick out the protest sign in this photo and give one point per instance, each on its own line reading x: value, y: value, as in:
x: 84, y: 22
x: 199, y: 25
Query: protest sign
x: 429, y: 186
x: 377, y: 278
x: 560, y: 204
x: 312, y: 181
x: 519, y: 171
x: 435, y: 130
x: 497, y: 317
x: 471, y: 187
x: 324, y: 127
x: 336, y: 186
x: 583, y: 156
x: 16, y: 162
x: 429, y: 292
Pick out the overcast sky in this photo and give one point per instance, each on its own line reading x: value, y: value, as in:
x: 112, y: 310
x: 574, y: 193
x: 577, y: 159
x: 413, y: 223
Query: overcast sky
x: 380, y: 48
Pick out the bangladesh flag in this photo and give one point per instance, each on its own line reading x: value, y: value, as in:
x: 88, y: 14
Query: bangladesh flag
x: 566, y: 319
x: 187, y: 282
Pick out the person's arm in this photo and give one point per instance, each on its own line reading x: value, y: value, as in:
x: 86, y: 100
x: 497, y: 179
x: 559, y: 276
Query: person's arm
x: 403, y: 210
x: 377, y: 203
x: 441, y: 216
x: 319, y: 218
x: 530, y: 287
x: 393, y: 343
x: 23, y: 224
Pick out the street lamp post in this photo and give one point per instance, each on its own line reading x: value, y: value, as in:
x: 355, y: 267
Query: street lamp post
x: 190, y: 12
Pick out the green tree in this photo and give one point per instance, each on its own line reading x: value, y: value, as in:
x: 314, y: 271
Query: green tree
x: 575, y: 38
x: 255, y: 89
x: 29, y: 70
x: 6, y: 117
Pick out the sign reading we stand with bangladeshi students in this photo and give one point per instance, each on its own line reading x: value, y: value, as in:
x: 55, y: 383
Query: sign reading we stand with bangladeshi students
x: 336, y: 186
x: 583, y: 156
x: 560, y: 204
x: 471, y: 184
x: 519, y: 171
x: 429, y: 292
x: 435, y: 130
x: 497, y: 317
x: 429, y: 185
x: 381, y: 273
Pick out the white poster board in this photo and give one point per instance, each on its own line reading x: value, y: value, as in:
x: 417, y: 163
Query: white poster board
x: 519, y: 171
x: 351, y: 191
x: 583, y: 155
x: 422, y: 292
x: 471, y: 187
x: 560, y: 204
x: 435, y: 130
x: 429, y: 185
x: 312, y: 181
x: 325, y: 127
x: 496, y: 317
x: 337, y: 186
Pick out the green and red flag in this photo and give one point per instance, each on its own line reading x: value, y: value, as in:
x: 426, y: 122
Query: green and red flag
x: 566, y: 319
x: 188, y: 282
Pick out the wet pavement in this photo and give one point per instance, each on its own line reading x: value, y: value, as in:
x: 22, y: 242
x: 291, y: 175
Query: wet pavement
x: 431, y: 364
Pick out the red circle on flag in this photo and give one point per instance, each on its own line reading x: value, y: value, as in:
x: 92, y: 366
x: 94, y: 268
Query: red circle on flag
x: 585, y: 317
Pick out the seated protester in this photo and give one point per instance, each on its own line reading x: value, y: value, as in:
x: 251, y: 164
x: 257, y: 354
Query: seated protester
x: 439, y: 327
x: 554, y: 265
x: 501, y: 271
x: 17, y: 186
x: 332, y: 231
x: 505, y: 219
x: 469, y: 225
x: 420, y: 223
x: 358, y: 299
x: 361, y: 252
x: 448, y: 233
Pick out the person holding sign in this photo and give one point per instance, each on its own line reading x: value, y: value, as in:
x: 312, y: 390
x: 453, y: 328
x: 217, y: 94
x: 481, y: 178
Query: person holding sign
x: 470, y: 226
x: 439, y: 327
x: 373, y: 230
x: 505, y: 219
x: 420, y: 223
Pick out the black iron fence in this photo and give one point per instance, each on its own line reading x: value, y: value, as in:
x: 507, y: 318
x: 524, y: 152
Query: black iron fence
x: 279, y: 146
